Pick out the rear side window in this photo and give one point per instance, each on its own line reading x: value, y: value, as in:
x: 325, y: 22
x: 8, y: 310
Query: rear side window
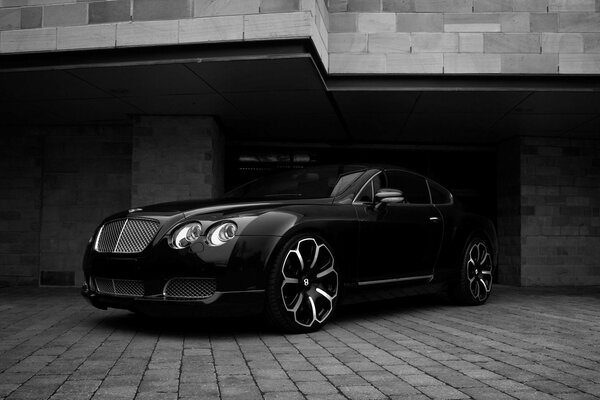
x: 412, y: 186
x: 439, y: 195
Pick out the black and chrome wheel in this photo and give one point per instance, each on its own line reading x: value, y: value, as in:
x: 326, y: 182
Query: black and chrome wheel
x: 302, y: 291
x: 475, y: 282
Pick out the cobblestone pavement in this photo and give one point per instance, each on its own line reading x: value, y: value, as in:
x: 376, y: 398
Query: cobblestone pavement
x: 525, y: 344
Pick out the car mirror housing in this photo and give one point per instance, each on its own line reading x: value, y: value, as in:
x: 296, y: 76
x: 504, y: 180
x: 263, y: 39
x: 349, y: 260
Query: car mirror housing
x: 386, y: 195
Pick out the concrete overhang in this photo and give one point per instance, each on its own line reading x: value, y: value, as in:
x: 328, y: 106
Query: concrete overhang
x: 279, y: 91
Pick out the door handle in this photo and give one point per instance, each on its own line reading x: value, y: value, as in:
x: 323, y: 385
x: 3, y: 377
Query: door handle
x: 434, y: 219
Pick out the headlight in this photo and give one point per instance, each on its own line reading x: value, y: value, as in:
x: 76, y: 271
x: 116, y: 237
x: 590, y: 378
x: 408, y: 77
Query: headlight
x: 186, y: 235
x: 221, y: 232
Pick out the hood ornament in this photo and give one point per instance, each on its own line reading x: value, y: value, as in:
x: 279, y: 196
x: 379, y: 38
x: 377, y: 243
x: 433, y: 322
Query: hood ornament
x: 132, y: 210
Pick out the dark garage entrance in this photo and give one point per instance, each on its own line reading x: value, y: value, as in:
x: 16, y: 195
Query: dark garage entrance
x: 273, y: 107
x: 470, y: 173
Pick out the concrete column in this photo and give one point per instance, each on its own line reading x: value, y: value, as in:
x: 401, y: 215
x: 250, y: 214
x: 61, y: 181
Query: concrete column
x: 560, y: 211
x: 509, y: 210
x: 176, y: 158
x: 549, y: 211
x: 21, y: 177
x: 86, y: 177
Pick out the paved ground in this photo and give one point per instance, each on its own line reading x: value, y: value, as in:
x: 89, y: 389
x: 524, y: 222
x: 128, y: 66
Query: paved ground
x: 525, y: 343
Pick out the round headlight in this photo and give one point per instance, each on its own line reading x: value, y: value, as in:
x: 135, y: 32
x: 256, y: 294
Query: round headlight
x: 186, y: 235
x: 221, y: 233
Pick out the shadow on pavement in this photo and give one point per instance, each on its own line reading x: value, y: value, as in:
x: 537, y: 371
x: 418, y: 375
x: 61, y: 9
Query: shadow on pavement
x: 256, y: 324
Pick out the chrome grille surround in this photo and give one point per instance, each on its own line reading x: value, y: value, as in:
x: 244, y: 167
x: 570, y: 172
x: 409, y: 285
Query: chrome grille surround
x: 119, y: 287
x: 190, y: 288
x: 131, y: 235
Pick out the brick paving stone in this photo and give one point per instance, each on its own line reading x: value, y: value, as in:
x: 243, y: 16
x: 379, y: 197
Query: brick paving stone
x: 525, y: 343
x: 364, y: 392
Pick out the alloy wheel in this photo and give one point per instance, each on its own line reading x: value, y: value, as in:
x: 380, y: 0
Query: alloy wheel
x: 479, y: 270
x: 310, y: 282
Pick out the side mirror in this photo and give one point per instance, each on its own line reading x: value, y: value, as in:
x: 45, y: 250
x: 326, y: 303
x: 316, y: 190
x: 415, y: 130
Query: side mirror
x: 384, y: 196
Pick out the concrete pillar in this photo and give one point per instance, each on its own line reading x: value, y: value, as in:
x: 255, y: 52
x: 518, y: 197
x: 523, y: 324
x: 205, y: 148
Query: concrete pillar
x: 86, y: 177
x: 176, y: 158
x: 21, y: 177
x: 509, y: 209
x: 549, y: 211
x: 560, y: 211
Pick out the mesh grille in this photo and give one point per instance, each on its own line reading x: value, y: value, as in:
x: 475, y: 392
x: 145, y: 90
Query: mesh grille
x: 126, y: 235
x: 190, y: 288
x: 120, y: 287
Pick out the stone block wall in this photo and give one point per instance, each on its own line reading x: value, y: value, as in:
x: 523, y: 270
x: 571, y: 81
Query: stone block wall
x: 59, y: 183
x: 549, y: 215
x: 86, y: 177
x: 560, y: 211
x: 508, y: 222
x: 176, y: 158
x: 21, y: 182
x: 464, y: 36
x: 60, y: 25
x: 351, y: 36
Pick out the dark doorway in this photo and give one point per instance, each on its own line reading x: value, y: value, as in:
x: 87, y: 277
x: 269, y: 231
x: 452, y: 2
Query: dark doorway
x: 470, y: 174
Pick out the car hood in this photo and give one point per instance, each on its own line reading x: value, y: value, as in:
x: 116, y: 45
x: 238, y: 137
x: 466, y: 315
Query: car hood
x: 187, y: 208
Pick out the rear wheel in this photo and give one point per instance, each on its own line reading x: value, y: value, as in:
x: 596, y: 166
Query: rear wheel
x: 475, y: 280
x: 303, y: 285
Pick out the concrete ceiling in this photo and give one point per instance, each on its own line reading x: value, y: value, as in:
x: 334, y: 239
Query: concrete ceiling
x: 285, y: 98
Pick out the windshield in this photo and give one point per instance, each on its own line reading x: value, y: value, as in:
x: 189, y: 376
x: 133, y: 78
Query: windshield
x: 313, y: 182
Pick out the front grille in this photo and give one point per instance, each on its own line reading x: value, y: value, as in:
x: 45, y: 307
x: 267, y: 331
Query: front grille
x: 190, y: 288
x: 120, y: 287
x: 126, y: 235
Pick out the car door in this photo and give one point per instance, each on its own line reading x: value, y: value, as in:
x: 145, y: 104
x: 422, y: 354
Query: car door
x: 398, y: 240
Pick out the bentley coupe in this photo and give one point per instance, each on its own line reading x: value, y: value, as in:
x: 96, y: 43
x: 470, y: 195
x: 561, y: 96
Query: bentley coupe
x: 293, y: 246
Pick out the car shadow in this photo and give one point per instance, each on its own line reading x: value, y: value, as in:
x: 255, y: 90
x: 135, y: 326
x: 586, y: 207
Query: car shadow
x: 254, y: 325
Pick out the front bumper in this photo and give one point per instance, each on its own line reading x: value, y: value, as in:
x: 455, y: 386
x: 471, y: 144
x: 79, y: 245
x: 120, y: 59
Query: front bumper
x: 220, y: 304
x: 236, y: 272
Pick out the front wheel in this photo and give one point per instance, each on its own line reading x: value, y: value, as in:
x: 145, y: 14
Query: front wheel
x: 303, y: 285
x: 475, y: 279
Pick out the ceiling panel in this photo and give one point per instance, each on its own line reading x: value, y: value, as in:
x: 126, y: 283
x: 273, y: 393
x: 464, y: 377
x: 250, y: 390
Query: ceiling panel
x: 377, y: 102
x: 589, y: 129
x: 267, y: 105
x: 89, y: 110
x: 533, y: 124
x: 260, y: 75
x: 376, y: 126
x: 561, y: 102
x: 144, y: 80
x: 449, y: 128
x: 191, y: 104
x: 468, y: 102
x: 46, y: 85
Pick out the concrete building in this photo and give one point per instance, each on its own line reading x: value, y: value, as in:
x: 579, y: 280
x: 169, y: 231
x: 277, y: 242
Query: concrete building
x: 118, y: 103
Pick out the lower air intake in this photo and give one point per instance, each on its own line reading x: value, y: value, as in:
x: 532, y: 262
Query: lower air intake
x: 120, y: 287
x: 190, y: 288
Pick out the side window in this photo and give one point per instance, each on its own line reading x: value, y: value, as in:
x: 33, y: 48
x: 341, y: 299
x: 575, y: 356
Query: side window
x: 439, y: 195
x: 414, y: 187
x: 368, y: 192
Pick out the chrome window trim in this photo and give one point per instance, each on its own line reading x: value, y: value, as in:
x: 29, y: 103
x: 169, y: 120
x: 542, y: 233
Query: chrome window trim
x: 431, y: 196
x: 354, y: 201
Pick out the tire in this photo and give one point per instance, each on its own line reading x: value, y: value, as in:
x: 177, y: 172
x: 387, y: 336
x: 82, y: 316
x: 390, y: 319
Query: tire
x: 475, y: 280
x: 303, y: 285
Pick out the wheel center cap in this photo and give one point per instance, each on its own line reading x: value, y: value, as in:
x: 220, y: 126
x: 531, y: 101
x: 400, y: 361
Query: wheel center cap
x: 305, y: 282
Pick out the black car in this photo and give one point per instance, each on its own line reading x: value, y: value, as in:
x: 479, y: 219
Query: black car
x: 292, y: 246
